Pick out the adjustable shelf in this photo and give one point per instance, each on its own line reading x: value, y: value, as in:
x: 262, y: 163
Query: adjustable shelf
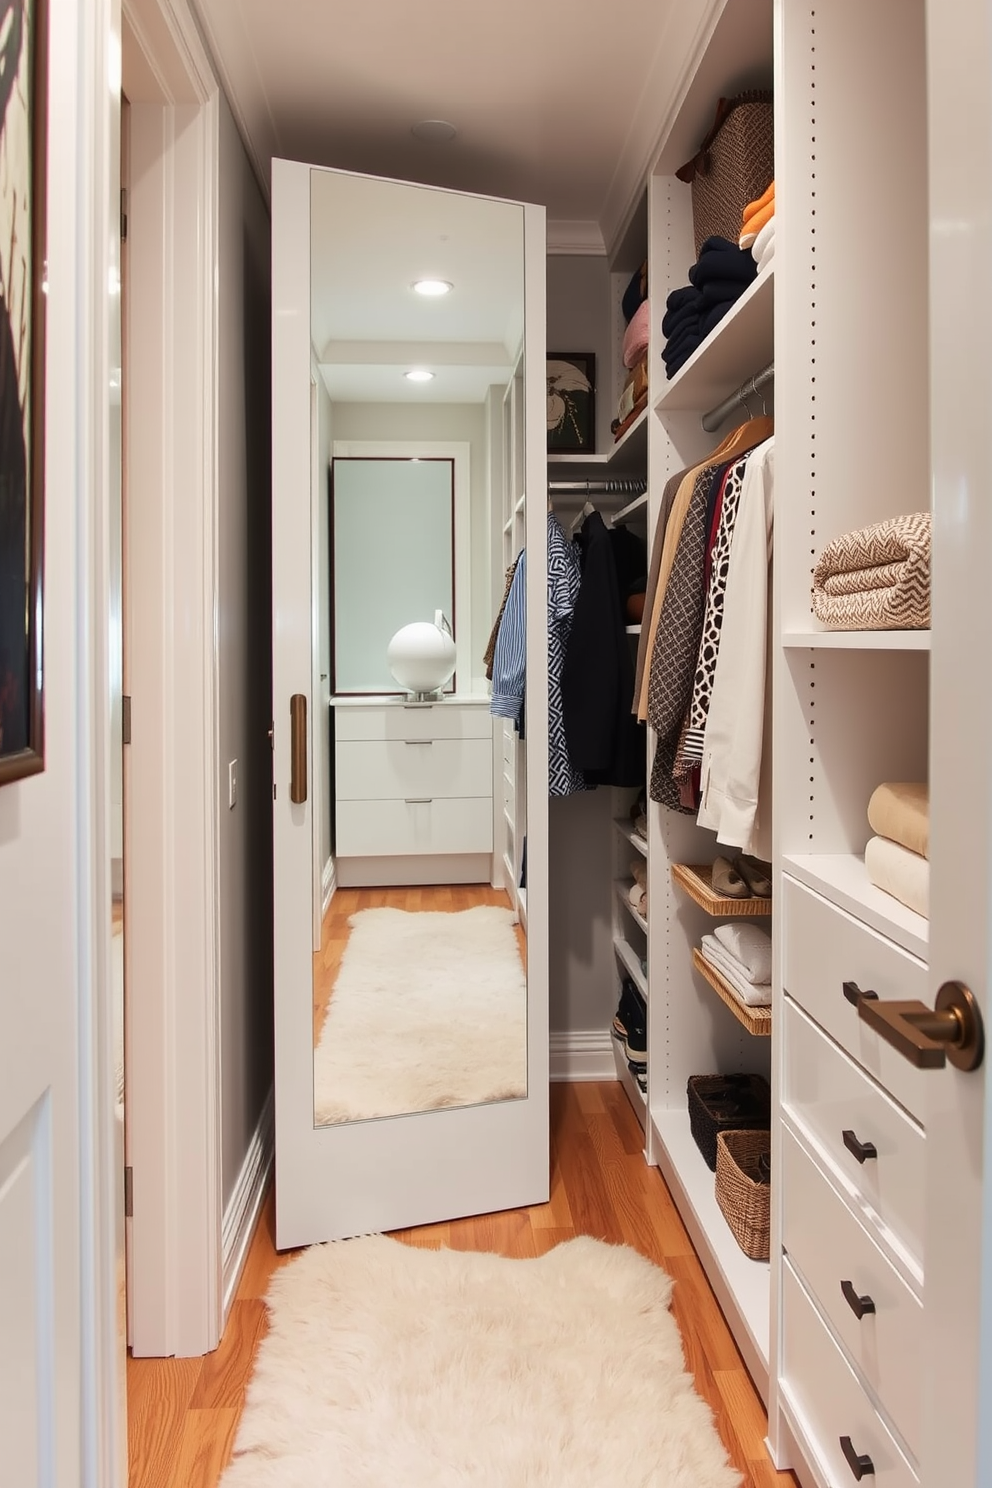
x: 626, y: 830
x: 621, y: 886
x: 637, y: 1097
x: 757, y: 1020
x: 735, y: 349
x: 857, y: 640
x: 632, y: 964
x: 696, y: 880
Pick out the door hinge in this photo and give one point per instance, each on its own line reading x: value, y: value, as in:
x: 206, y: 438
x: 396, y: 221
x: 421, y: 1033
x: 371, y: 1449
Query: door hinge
x: 128, y: 1193
x: 123, y: 215
x: 125, y: 718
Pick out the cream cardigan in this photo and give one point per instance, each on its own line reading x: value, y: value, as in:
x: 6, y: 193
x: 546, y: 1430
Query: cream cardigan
x: 732, y: 743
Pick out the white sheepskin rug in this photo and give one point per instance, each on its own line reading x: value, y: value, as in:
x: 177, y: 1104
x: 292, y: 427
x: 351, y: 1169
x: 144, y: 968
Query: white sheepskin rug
x: 428, y: 1010
x: 391, y: 1367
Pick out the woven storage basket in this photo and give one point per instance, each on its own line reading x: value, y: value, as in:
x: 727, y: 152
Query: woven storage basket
x: 744, y: 1200
x: 734, y: 165
x: 726, y: 1103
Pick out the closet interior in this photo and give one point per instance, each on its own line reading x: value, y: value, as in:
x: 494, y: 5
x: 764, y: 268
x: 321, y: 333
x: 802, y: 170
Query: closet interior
x: 828, y: 345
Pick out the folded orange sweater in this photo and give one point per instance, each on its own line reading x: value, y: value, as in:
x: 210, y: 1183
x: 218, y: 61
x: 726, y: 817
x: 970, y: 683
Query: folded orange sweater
x: 761, y: 203
x: 752, y: 225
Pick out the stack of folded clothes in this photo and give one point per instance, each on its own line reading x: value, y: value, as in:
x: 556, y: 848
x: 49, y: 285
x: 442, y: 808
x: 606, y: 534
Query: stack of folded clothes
x: 716, y: 281
x: 742, y: 954
x: 639, y: 818
x: 877, y: 578
x: 638, y: 891
x: 758, y: 229
x: 630, y: 1029
x: 637, y: 316
x: 897, y: 859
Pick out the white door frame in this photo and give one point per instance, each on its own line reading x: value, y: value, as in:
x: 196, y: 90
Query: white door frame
x: 171, y: 855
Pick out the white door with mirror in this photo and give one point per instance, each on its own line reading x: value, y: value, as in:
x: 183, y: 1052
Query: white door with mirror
x: 410, y: 876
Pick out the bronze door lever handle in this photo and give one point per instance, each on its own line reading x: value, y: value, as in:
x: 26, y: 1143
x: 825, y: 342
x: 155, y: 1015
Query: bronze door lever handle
x: 952, y: 1030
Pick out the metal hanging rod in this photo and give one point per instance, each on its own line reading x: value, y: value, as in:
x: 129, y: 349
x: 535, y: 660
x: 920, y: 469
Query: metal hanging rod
x: 711, y: 421
x: 598, y: 487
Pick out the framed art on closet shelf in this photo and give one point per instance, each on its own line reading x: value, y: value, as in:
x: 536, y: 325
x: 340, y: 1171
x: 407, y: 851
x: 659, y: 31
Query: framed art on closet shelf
x: 572, y: 402
x: 23, y: 70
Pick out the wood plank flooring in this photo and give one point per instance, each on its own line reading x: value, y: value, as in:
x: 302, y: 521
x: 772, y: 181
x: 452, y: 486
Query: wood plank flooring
x: 334, y: 932
x: 183, y: 1413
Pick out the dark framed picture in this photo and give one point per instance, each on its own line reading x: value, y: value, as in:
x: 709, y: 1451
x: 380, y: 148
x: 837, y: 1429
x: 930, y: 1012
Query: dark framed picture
x: 572, y: 402
x: 23, y: 147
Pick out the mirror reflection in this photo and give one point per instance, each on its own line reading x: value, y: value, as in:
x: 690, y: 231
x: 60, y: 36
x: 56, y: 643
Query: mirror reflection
x: 419, y: 980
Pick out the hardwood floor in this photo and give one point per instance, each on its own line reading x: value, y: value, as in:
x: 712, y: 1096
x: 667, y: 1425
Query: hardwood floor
x: 334, y: 932
x: 183, y: 1413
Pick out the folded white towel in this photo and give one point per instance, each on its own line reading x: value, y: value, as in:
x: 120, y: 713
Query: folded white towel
x: 749, y: 945
x: 751, y: 994
x: 766, y: 259
x: 765, y: 238
x: 899, y: 872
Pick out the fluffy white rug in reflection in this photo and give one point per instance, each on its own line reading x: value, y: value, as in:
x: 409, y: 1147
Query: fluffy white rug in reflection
x: 391, y: 1367
x: 428, y: 1010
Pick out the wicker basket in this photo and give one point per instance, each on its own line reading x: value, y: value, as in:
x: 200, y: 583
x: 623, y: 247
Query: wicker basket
x: 734, y: 165
x: 726, y: 1103
x: 745, y: 1201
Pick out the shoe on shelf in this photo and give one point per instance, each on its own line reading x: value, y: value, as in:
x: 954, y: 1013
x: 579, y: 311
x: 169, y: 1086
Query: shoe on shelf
x: 728, y: 881
x: 756, y: 874
x: 630, y: 1021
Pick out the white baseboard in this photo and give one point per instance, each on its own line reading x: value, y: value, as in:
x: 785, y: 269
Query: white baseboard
x: 241, y: 1214
x: 581, y: 1056
x: 328, y: 884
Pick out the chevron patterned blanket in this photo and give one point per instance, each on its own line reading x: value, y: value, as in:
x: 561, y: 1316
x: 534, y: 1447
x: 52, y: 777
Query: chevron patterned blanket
x: 877, y: 578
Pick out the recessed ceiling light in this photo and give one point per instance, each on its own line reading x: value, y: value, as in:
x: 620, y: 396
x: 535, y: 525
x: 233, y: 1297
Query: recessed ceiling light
x: 437, y: 131
x: 433, y: 287
x: 419, y: 374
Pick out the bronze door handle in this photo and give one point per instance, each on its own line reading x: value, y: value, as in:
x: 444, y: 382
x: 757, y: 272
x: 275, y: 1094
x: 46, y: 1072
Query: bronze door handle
x: 952, y: 1030
x: 298, y: 748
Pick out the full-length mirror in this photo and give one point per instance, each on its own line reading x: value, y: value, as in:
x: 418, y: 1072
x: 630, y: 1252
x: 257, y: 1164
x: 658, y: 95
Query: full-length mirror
x: 419, y: 822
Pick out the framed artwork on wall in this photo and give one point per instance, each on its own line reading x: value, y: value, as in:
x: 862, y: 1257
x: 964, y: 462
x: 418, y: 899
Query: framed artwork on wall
x: 571, y: 402
x: 23, y: 152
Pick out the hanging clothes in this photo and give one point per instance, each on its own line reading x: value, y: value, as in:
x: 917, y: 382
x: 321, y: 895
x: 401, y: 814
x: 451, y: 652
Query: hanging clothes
x: 564, y: 580
x: 510, y: 652
x: 603, y: 738
x: 490, y: 650
x: 735, y: 738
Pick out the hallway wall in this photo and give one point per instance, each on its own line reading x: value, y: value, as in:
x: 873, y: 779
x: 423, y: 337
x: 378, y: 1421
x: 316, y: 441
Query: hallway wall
x: 244, y: 650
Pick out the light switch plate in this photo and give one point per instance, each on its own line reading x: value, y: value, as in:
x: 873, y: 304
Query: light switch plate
x: 232, y: 783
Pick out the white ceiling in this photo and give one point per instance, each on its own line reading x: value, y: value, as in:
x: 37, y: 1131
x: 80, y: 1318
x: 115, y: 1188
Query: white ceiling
x: 556, y: 103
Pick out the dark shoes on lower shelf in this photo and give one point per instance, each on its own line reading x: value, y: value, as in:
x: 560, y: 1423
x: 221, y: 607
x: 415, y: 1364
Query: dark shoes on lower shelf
x: 630, y: 1024
x: 742, y: 877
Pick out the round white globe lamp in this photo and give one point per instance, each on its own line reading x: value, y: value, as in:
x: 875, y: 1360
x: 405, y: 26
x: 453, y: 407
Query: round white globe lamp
x: 422, y: 657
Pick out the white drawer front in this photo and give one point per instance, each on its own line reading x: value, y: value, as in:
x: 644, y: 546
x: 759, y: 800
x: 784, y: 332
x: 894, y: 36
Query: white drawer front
x: 826, y: 947
x: 413, y: 721
x: 380, y: 769
x: 828, y: 1094
x: 369, y: 829
x: 825, y: 1394
x: 829, y: 1247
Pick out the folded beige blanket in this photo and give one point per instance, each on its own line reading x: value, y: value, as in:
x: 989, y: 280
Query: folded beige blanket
x: 877, y: 578
x: 901, y: 873
x: 901, y: 811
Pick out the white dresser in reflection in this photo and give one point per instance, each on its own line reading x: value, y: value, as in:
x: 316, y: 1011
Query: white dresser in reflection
x: 413, y: 791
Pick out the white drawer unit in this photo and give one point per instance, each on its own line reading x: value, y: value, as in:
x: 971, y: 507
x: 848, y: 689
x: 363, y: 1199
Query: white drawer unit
x: 874, y: 1313
x: 368, y: 829
x: 870, y: 1140
x: 399, y: 720
x: 827, y: 954
x: 394, y: 769
x: 848, y: 1439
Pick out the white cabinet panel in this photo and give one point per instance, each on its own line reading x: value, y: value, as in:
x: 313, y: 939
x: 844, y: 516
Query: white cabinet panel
x: 399, y: 720
x: 828, y: 1400
x: 394, y: 769
x: 846, y: 1112
x: 824, y: 947
x: 368, y: 829
x: 846, y: 1271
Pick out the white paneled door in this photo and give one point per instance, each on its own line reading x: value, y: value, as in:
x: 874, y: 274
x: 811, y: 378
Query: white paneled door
x: 358, y: 1176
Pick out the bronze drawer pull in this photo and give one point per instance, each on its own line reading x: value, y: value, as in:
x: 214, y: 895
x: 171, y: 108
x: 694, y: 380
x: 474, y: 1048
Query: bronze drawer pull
x: 858, y: 1305
x: 854, y: 994
x: 860, y: 1466
x: 952, y: 1030
x: 861, y: 1150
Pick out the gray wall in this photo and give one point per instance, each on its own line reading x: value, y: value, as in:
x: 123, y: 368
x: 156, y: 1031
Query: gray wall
x: 244, y: 651
x: 579, y: 320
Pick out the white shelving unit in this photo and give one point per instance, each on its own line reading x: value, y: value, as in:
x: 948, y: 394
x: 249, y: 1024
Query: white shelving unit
x: 843, y: 879
x: 856, y: 640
